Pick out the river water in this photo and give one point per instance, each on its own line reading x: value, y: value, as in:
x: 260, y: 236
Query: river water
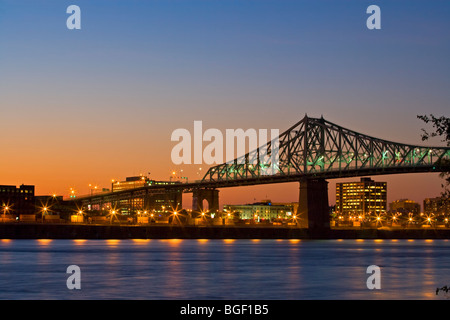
x: 223, y: 269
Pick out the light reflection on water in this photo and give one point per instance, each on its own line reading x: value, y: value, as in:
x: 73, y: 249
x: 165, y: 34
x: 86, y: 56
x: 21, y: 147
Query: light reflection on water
x: 223, y: 269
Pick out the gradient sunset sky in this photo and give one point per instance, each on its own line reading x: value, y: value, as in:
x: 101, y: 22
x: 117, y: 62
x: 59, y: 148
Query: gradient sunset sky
x: 82, y: 107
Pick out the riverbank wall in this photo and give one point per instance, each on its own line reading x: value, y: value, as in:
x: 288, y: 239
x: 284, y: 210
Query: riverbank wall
x: 88, y: 231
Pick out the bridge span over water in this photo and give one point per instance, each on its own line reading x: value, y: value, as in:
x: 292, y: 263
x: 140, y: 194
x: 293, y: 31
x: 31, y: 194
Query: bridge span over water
x: 310, y: 152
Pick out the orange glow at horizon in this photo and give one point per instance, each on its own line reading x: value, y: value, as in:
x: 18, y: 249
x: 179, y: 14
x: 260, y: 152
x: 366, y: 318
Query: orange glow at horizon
x: 78, y: 162
x: 56, y: 170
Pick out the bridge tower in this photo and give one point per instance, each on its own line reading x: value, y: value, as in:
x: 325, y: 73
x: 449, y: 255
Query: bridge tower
x: 313, y: 209
x: 210, y: 195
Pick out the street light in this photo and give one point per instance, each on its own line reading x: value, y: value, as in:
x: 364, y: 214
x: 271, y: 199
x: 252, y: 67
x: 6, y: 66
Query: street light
x: 172, y: 176
x: 6, y: 208
x: 92, y: 189
x: 175, y: 215
x: 44, y: 212
x: 113, y: 214
x: 394, y: 219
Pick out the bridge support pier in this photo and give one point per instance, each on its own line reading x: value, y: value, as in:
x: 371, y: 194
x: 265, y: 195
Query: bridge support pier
x: 210, y: 195
x: 313, y: 209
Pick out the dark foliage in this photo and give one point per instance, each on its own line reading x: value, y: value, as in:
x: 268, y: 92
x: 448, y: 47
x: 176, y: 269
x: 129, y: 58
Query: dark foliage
x: 441, y: 128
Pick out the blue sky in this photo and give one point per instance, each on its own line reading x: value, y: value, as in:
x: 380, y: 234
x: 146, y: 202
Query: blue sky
x: 109, y: 95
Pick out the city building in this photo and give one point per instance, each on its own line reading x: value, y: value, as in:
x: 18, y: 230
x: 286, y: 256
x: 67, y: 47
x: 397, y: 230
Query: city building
x: 438, y: 205
x: 264, y: 210
x: 361, y: 198
x: 404, y: 206
x: 54, y: 205
x: 138, y: 182
x: 158, y: 200
x: 17, y: 201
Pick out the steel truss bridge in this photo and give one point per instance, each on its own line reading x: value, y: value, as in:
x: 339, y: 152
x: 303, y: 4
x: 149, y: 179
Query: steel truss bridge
x: 317, y: 148
x: 313, y: 149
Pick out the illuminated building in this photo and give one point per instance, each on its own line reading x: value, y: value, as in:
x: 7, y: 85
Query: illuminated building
x: 361, y: 198
x: 55, y: 206
x: 17, y: 201
x: 404, y: 206
x: 265, y: 210
x: 158, y: 200
x: 138, y: 182
x: 438, y: 205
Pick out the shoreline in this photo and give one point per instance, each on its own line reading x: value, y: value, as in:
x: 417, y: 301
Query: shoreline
x: 97, y: 231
